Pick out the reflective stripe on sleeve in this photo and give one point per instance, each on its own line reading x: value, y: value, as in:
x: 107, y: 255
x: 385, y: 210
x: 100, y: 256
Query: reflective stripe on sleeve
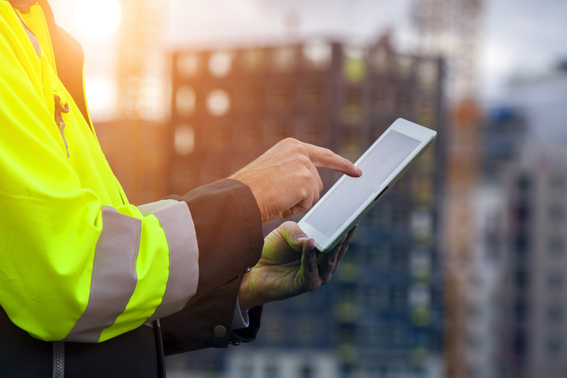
x: 114, y: 275
x: 177, y: 223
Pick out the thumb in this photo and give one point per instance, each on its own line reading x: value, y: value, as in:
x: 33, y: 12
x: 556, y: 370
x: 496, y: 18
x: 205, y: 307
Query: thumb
x: 293, y: 235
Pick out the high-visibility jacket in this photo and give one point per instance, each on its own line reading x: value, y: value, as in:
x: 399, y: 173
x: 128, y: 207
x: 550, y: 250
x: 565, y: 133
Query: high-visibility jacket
x: 78, y: 263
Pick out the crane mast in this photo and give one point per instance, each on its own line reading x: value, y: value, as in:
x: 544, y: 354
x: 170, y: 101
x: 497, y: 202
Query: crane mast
x: 450, y: 28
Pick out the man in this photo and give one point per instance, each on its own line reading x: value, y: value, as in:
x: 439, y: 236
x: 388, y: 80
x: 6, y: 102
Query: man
x: 85, y: 277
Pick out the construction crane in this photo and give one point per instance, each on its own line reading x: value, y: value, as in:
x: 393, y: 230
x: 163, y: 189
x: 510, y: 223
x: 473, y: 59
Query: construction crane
x: 450, y: 28
x: 142, y: 100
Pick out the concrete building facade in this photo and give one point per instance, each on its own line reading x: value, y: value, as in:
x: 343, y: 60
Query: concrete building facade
x: 534, y: 317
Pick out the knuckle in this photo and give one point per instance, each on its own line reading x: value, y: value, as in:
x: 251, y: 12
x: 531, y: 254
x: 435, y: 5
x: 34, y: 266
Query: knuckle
x: 290, y: 212
x: 313, y: 285
x: 303, y: 194
x: 325, y: 280
x: 300, y: 149
x: 303, y: 206
x: 306, y: 176
x: 316, y: 197
x: 309, y: 205
x: 314, y: 182
x: 304, y: 159
x: 291, y: 141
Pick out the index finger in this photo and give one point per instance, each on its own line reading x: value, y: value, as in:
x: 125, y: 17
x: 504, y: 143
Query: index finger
x: 325, y: 158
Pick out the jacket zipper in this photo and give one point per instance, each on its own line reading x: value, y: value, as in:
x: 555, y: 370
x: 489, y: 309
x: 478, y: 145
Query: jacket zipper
x: 59, y: 109
x: 58, y: 359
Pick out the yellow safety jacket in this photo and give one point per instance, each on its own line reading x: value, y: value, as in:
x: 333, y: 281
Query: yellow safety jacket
x: 77, y: 261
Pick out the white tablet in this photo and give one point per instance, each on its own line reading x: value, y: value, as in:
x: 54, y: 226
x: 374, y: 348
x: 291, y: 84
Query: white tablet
x: 350, y: 198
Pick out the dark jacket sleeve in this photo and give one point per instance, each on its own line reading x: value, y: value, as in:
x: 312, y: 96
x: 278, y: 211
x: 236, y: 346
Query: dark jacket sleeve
x: 228, y: 225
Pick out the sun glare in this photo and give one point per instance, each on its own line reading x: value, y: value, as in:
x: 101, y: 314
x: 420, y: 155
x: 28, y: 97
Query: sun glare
x: 98, y: 19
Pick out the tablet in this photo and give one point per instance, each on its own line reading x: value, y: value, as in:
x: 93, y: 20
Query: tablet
x: 351, y: 198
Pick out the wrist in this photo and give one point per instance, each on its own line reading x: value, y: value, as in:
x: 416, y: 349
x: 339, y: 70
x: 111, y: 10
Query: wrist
x: 245, y: 297
x: 256, y: 192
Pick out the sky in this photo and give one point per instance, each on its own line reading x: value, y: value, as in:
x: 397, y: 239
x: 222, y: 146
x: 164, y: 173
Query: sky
x: 518, y: 36
x: 198, y: 21
x: 521, y: 37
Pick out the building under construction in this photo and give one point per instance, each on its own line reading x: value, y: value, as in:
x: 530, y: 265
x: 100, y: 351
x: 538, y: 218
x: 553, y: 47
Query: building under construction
x: 243, y: 101
x: 382, y: 312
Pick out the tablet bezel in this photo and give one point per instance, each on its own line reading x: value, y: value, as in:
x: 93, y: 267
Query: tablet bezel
x: 424, y: 135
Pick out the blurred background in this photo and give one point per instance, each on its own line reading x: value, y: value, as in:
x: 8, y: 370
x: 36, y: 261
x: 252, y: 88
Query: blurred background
x: 459, y: 271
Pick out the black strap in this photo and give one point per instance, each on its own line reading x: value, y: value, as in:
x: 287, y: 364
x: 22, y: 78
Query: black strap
x: 160, y: 352
x: 69, y: 59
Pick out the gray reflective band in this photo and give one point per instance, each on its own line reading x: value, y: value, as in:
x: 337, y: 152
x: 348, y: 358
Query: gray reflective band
x: 114, y: 275
x: 177, y: 223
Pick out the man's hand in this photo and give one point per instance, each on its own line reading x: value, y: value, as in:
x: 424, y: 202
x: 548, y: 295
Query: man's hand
x: 290, y: 265
x: 285, y: 181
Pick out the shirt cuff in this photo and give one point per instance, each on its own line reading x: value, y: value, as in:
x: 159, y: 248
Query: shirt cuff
x: 241, y: 318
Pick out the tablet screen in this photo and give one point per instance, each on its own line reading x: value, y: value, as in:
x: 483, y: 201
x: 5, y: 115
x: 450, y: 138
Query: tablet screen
x: 351, y: 193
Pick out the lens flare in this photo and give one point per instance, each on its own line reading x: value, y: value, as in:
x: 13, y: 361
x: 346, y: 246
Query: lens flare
x: 98, y: 19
